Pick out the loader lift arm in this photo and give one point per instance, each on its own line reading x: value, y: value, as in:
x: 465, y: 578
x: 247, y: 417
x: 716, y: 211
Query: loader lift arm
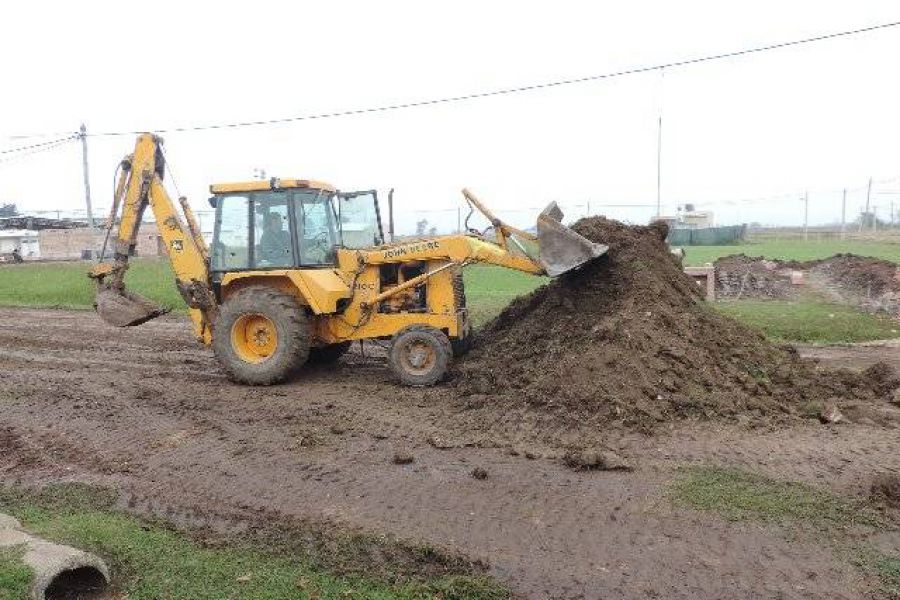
x: 140, y: 185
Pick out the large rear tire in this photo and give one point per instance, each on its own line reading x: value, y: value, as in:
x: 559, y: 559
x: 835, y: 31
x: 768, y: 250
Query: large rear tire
x: 420, y: 355
x: 328, y: 354
x: 261, y: 336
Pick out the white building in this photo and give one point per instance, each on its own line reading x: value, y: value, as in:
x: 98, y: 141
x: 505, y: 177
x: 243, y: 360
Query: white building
x: 23, y: 240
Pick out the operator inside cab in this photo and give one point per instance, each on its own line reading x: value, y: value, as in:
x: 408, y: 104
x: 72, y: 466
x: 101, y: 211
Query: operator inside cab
x: 275, y: 243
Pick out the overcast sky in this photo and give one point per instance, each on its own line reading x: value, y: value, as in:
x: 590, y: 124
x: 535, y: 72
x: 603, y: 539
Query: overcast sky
x: 819, y: 117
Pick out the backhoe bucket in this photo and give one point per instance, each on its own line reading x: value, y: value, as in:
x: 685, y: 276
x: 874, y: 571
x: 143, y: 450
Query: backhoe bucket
x: 122, y: 308
x: 562, y: 249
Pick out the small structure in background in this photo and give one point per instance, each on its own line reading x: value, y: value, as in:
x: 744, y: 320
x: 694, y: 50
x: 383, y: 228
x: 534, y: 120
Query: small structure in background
x: 690, y: 218
x: 39, y: 238
x: 85, y: 244
x: 17, y: 245
x: 692, y: 227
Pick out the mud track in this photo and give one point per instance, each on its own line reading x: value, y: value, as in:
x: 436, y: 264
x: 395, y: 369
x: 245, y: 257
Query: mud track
x: 148, y: 411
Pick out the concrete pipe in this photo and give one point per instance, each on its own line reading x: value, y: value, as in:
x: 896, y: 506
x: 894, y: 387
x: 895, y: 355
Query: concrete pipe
x: 59, y: 571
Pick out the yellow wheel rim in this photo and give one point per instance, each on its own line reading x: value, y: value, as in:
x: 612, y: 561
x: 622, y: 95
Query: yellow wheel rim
x: 254, y: 338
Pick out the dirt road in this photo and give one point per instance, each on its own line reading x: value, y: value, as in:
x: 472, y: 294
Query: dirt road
x: 147, y: 411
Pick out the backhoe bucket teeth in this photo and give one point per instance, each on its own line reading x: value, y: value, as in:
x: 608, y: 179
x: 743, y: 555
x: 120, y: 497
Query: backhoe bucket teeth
x: 562, y: 249
x: 122, y: 308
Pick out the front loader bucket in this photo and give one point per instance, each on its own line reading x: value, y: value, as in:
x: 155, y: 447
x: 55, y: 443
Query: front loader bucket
x: 562, y: 249
x: 122, y: 308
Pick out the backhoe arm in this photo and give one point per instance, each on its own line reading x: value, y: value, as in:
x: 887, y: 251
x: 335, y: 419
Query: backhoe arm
x: 553, y: 251
x: 141, y: 185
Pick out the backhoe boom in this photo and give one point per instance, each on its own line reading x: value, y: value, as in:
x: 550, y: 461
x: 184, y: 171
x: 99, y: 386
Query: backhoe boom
x: 141, y: 185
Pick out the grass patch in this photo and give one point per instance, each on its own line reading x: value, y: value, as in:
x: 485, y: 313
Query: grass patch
x: 739, y: 495
x: 151, y: 561
x: 810, y: 321
x: 793, y: 250
x: 15, y: 576
x: 66, y: 285
x: 888, y: 570
x: 489, y: 289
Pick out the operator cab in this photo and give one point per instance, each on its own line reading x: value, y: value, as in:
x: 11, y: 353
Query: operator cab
x: 288, y: 224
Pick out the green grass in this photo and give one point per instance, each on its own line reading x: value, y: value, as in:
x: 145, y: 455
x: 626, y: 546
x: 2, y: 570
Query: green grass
x: 150, y: 561
x: 810, y: 321
x: 739, y: 495
x: 793, y: 250
x: 15, y: 577
x: 887, y: 568
x: 66, y: 285
x: 489, y: 289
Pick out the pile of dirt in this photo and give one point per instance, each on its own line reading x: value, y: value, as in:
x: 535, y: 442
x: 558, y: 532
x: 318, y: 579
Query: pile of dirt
x: 741, y: 276
x: 872, y: 284
x: 628, y: 339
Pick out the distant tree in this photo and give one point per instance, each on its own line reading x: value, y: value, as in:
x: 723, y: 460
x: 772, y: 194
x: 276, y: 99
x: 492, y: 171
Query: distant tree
x: 867, y: 219
x: 432, y: 231
x: 421, y: 226
x: 8, y: 210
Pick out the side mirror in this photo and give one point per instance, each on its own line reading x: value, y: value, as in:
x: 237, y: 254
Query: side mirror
x: 213, y: 201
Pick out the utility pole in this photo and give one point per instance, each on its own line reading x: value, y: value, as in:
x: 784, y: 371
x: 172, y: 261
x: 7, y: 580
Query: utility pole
x: 806, y: 216
x: 86, y: 174
x: 844, y: 215
x: 659, y: 165
x: 662, y: 79
x: 868, y: 197
x: 588, y: 208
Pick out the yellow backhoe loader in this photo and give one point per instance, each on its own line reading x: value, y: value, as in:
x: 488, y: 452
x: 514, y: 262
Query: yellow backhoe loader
x: 297, y: 270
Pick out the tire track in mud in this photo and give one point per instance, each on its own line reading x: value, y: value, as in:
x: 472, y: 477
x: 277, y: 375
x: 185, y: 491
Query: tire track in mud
x: 147, y: 410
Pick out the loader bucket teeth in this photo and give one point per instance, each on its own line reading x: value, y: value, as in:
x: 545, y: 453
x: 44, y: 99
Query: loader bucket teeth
x: 562, y: 249
x: 125, y: 309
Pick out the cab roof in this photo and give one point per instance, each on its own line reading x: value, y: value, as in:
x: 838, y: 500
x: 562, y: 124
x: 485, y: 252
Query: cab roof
x: 261, y: 185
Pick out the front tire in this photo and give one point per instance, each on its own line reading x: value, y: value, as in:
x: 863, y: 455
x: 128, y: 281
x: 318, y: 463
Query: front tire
x: 420, y: 355
x: 261, y: 336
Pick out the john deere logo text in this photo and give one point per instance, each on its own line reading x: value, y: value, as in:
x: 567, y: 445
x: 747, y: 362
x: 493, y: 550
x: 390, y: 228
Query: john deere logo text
x: 411, y: 249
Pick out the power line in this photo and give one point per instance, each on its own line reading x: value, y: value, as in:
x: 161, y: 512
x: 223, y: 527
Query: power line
x: 39, y: 145
x: 518, y: 89
x: 37, y: 148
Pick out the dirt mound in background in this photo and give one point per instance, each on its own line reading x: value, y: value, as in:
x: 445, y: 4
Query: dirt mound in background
x: 741, y: 276
x: 628, y: 339
x: 870, y: 283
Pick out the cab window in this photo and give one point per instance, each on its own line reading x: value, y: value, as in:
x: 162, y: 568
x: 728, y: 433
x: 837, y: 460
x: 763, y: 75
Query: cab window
x: 272, y: 246
x: 317, y: 232
x: 232, y: 231
x: 360, y: 221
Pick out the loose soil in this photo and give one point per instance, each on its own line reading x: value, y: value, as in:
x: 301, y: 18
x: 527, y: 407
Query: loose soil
x: 148, y: 412
x: 628, y: 341
x: 872, y: 284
